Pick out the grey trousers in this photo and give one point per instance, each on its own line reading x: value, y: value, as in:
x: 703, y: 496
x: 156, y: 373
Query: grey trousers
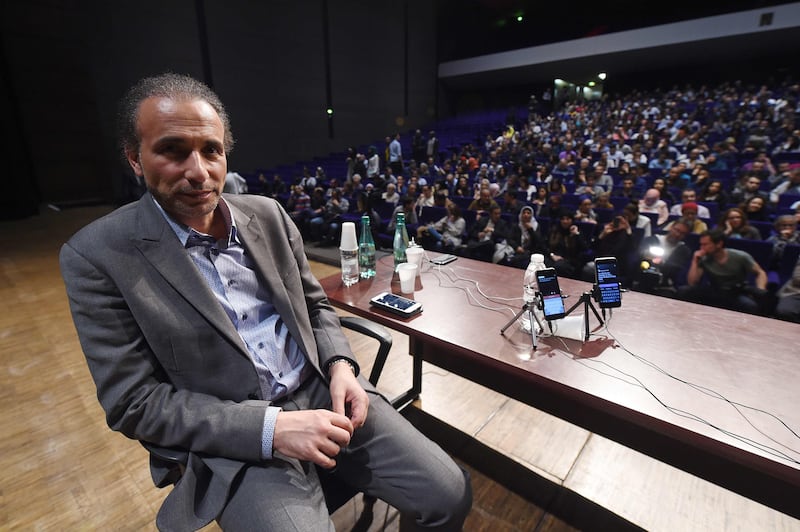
x: 387, y: 458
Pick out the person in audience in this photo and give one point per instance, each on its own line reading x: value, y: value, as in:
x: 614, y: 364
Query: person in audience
x: 749, y: 189
x: 615, y: 240
x: 690, y: 195
x: 484, y: 203
x: 757, y: 209
x: 391, y: 195
x: 299, y: 206
x: 395, y: 157
x: 539, y: 201
x: 785, y: 233
x: 666, y: 258
x: 327, y: 226
x: 373, y: 163
x: 601, y: 177
x: 652, y: 202
x: 567, y: 247
x: 447, y: 233
x: 585, y: 212
x: 487, y: 231
x: 627, y: 190
x: 676, y: 178
x: 689, y: 216
x: 788, y: 307
x: 735, y: 225
x: 715, y: 192
x: 462, y: 188
x: 636, y: 220
x: 425, y: 199
x: 406, y: 206
x: 553, y: 210
x: 603, y: 201
x: 591, y: 189
x: 511, y: 205
x: 661, y: 185
x: 253, y: 377
x: 726, y: 271
x: 790, y: 187
x: 524, y: 239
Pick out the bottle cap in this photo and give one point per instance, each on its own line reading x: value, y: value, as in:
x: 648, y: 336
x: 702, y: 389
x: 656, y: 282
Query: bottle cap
x: 348, y: 241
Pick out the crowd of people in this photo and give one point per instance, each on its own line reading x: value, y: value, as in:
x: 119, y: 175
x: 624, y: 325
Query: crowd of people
x: 634, y: 177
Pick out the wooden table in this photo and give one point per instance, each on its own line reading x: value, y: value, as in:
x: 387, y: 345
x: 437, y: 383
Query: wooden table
x: 687, y: 384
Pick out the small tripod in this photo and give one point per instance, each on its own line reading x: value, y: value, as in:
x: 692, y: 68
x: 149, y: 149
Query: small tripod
x: 586, y: 299
x: 532, y: 317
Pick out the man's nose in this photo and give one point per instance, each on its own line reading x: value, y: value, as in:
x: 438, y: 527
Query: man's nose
x: 195, y: 167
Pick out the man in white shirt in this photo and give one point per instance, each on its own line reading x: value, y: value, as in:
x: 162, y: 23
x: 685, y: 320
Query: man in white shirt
x: 690, y: 196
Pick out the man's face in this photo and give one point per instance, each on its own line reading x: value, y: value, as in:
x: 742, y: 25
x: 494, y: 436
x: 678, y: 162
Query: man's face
x: 677, y: 232
x: 689, y: 195
x: 708, y: 246
x: 181, y: 157
x: 753, y: 184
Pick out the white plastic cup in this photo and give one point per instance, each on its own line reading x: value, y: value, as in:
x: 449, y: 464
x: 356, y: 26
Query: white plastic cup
x: 414, y: 255
x: 348, y: 251
x: 348, y: 241
x: 408, y: 277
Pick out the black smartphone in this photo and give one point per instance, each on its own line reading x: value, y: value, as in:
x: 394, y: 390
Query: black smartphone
x: 608, y: 292
x: 550, y: 292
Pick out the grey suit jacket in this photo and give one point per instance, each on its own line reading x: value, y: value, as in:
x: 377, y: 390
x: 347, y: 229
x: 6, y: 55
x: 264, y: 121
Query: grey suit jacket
x: 169, y: 366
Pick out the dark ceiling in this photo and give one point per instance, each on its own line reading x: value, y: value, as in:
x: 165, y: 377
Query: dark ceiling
x: 477, y: 27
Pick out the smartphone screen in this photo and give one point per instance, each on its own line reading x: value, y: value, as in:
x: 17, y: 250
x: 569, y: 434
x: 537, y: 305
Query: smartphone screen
x: 607, y: 282
x: 552, y: 303
x: 400, y: 303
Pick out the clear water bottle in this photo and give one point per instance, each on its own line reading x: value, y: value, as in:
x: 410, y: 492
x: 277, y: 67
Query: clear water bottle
x: 366, y: 249
x: 348, y: 252
x: 529, y: 288
x: 400, y: 242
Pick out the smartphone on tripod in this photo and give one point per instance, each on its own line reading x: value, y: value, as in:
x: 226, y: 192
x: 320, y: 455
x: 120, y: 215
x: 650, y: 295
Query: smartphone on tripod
x: 550, y: 294
x: 608, y: 292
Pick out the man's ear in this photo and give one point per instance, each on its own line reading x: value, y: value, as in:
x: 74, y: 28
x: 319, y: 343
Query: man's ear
x: 133, y: 160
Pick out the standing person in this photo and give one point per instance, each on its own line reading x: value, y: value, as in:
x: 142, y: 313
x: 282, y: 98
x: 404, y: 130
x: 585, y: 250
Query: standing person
x: 727, y: 271
x: 419, y: 147
x: 204, y: 329
x: 432, y: 147
x: 396, y: 156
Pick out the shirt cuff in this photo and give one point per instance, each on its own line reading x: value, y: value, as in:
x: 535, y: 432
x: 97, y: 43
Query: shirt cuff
x: 267, y: 433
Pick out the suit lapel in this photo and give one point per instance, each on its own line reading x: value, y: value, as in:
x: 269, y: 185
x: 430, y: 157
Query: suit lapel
x: 162, y: 249
x: 271, y: 266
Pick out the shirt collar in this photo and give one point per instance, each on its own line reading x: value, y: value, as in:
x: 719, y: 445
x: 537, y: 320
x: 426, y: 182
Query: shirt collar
x: 183, y: 231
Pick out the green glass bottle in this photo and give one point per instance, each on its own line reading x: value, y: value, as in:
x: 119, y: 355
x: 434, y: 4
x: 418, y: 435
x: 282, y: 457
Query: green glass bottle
x: 366, y: 249
x: 400, y: 242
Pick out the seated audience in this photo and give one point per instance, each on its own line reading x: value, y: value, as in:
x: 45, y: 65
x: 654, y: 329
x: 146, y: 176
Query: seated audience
x: 788, y: 307
x: 726, y: 272
x: 487, y: 231
x: 734, y: 224
x: 652, y: 203
x: 785, y: 233
x: 567, y: 247
x: 666, y: 258
x: 445, y: 234
x: 690, y: 195
x: 524, y: 240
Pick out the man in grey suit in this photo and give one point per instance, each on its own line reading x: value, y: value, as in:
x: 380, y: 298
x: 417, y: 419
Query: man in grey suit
x: 205, y: 330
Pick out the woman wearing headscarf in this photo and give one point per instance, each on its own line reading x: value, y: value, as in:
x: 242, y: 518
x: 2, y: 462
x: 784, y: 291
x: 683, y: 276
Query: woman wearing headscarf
x: 524, y: 239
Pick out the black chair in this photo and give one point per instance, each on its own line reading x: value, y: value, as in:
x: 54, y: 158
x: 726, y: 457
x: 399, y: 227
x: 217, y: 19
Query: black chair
x: 336, y: 492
